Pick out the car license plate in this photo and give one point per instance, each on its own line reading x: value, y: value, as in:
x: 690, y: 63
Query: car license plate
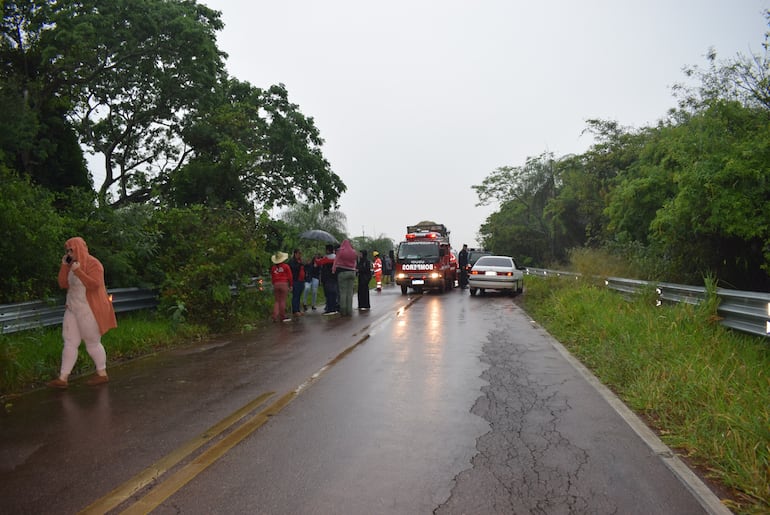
x: 418, y: 281
x: 490, y: 273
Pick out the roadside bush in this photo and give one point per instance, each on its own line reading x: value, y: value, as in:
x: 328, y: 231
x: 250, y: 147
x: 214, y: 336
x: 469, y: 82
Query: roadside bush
x: 32, y: 240
x: 601, y: 263
x: 210, y: 258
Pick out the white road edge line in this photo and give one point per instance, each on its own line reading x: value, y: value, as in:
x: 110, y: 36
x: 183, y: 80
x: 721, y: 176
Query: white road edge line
x: 705, y: 496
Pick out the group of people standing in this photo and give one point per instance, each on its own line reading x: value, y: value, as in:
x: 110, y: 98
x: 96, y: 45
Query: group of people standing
x: 335, y: 272
x: 89, y: 313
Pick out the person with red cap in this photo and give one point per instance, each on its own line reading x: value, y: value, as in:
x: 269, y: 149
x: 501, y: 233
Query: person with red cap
x: 281, y: 277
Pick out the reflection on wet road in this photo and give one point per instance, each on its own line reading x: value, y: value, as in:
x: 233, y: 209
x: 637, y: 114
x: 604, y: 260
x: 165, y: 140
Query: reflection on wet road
x: 432, y: 403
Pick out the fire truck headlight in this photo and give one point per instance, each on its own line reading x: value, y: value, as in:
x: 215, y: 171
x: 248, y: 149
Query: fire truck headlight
x: 400, y: 276
x: 435, y: 275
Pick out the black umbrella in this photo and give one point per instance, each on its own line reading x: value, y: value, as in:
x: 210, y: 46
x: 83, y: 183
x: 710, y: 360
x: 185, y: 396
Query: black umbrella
x: 318, y: 234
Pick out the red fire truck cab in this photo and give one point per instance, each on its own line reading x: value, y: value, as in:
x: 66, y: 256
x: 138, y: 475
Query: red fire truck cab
x: 424, y: 260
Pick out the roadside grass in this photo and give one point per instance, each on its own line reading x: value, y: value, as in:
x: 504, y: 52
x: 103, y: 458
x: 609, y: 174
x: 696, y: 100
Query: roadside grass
x: 30, y: 358
x: 703, y: 387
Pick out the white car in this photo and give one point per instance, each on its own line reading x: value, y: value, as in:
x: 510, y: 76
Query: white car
x: 496, y: 273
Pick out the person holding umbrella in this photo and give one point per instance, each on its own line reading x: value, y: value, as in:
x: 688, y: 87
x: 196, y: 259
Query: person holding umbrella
x: 319, y: 235
x: 329, y: 280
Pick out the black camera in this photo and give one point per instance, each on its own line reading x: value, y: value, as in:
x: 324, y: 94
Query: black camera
x: 69, y: 259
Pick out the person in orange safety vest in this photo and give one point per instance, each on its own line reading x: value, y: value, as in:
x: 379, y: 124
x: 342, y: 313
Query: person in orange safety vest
x: 377, y: 267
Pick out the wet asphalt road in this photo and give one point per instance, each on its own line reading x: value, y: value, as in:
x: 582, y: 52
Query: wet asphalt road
x: 432, y: 403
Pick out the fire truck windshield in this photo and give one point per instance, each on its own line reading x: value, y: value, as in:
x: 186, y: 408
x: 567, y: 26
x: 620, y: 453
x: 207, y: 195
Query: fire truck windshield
x: 418, y: 250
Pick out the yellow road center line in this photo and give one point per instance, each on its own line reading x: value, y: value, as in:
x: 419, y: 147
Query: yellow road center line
x: 160, y: 467
x: 176, y: 481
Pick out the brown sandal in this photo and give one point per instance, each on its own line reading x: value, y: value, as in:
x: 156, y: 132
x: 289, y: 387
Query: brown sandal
x: 96, y: 379
x: 57, y: 383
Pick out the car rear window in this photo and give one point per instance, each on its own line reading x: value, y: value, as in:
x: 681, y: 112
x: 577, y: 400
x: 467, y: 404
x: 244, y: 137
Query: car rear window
x: 474, y: 255
x: 495, y: 261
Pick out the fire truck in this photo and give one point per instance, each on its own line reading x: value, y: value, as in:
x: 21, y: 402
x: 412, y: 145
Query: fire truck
x: 424, y: 260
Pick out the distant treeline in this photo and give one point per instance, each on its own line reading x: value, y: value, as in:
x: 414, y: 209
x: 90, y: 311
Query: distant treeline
x: 686, y: 199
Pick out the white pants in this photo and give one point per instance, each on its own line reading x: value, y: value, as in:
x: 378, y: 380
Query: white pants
x: 78, y: 327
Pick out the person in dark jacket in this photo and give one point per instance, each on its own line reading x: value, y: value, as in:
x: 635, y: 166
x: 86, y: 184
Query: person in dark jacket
x: 462, y: 262
x: 364, y: 271
x: 297, y: 281
x: 329, y: 281
x: 310, y: 294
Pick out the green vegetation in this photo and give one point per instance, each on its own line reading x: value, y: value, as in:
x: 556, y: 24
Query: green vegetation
x: 681, y: 200
x: 29, y: 358
x: 194, y: 160
x: 703, y: 387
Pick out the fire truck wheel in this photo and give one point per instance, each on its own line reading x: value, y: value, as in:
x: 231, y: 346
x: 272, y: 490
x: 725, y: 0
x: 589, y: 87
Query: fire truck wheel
x: 403, y: 290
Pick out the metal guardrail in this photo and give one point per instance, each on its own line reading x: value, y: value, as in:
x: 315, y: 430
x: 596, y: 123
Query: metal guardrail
x: 30, y: 315
x: 543, y: 272
x: 745, y: 311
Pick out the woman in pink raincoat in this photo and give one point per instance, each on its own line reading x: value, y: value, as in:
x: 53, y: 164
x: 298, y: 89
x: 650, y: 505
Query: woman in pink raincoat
x: 88, y: 312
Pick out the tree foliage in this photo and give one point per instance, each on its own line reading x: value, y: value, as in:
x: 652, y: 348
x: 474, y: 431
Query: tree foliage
x: 32, y: 242
x: 156, y: 61
x: 524, y: 227
x: 303, y: 217
x: 186, y: 150
x: 209, y: 270
x: 35, y: 135
x: 686, y: 199
x: 254, y: 146
x: 141, y: 84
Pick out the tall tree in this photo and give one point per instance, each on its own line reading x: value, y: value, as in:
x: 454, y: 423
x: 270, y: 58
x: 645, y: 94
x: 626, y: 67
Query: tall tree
x: 35, y: 135
x: 718, y: 221
x: 255, y: 146
x: 523, y: 194
x: 742, y: 78
x: 158, y: 61
x: 127, y: 70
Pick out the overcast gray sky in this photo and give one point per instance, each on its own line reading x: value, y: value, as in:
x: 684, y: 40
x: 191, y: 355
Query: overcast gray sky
x: 419, y: 100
